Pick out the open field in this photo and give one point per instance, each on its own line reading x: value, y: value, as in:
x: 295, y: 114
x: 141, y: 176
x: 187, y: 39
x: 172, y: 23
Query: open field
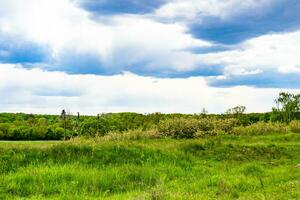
x: 149, y: 99
x: 221, y: 167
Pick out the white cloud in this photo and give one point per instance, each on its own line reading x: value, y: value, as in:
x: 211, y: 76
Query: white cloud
x: 278, y: 52
x: 56, y: 23
x: 22, y: 91
x: 137, y: 38
x: 130, y: 40
x: 125, y: 40
x: 117, y: 41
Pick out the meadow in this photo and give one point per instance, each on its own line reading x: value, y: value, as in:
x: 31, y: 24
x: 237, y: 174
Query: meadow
x: 216, y: 167
x: 153, y: 156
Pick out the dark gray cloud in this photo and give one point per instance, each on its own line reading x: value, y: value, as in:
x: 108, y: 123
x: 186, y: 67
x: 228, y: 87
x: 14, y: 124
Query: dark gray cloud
x: 282, y: 15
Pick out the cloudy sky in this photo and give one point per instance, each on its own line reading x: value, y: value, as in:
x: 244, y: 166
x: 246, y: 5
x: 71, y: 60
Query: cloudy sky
x: 98, y: 56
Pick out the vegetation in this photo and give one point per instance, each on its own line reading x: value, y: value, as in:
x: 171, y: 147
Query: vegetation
x: 295, y: 126
x: 153, y: 156
x: 217, y: 167
x: 236, y: 110
x: 191, y: 127
x: 288, y: 105
x: 50, y: 127
x: 261, y: 128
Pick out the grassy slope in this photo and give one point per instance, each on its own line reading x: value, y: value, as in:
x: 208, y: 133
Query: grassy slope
x: 228, y: 167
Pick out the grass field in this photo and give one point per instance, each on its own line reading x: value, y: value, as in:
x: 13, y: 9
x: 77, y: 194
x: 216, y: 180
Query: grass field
x: 224, y: 167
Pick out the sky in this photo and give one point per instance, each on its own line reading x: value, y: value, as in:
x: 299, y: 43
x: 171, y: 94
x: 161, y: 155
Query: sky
x: 169, y: 56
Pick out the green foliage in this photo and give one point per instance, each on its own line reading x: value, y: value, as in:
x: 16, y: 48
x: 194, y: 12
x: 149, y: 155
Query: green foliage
x: 4, y: 128
x: 55, y: 133
x: 288, y: 105
x: 52, y: 127
x: 236, y: 110
x: 276, y: 115
x: 191, y: 127
x: 25, y: 132
x: 178, y: 127
x: 260, y: 128
x: 93, y: 127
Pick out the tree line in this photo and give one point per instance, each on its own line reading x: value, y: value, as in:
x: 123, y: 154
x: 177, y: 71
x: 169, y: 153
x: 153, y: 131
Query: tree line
x: 22, y: 126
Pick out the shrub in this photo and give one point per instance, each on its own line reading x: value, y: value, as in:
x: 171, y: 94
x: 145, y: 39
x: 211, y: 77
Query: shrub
x: 205, y: 124
x: 39, y: 132
x: 178, y: 127
x: 135, y: 134
x: 55, y: 133
x: 260, y: 128
x: 92, y: 127
x: 191, y: 127
x: 4, y: 128
x: 225, y: 125
x: 19, y: 133
x: 295, y: 126
x: 2, y: 136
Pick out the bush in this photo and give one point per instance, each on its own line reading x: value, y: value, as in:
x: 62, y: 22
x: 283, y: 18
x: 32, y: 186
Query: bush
x: 260, y: 128
x: 191, y: 127
x: 92, y: 127
x: 178, y: 127
x: 19, y: 133
x: 4, y: 128
x: 295, y: 126
x: 39, y: 132
x: 2, y: 135
x: 135, y: 134
x: 225, y: 125
x: 55, y: 133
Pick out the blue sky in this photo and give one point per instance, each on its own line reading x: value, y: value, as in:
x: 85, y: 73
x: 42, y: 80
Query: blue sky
x: 107, y: 7
x: 232, y: 44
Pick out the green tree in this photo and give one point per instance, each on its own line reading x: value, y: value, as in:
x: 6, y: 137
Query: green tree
x: 236, y: 110
x: 288, y: 105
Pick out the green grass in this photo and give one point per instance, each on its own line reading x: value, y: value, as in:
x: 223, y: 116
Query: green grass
x: 224, y: 167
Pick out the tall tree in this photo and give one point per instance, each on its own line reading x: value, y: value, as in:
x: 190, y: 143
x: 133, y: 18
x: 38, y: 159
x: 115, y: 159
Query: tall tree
x: 236, y: 110
x: 288, y: 105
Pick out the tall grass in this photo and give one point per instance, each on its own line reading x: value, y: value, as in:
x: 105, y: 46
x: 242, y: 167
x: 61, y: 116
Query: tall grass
x: 209, y: 168
x: 261, y: 128
x: 295, y: 126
